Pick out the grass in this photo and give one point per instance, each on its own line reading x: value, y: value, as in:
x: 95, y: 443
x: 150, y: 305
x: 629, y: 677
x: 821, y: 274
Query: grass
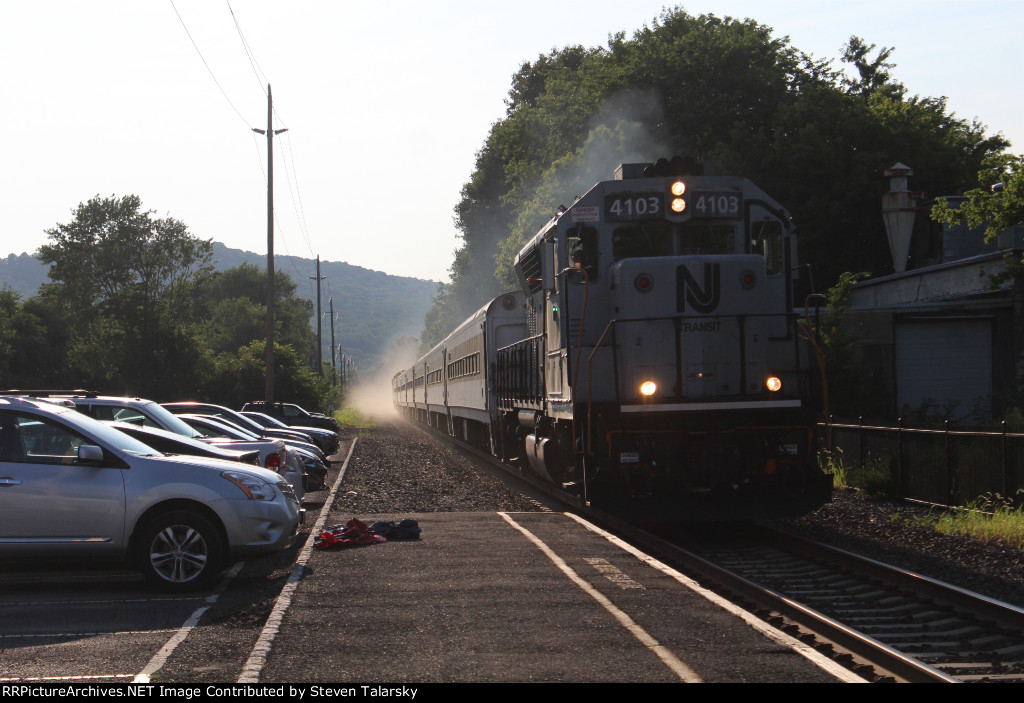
x: 352, y: 418
x: 874, y: 478
x: 991, y: 518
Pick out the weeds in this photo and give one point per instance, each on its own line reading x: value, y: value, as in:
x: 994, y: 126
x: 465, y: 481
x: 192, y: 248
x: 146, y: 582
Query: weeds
x: 875, y: 478
x: 354, y: 419
x: 832, y: 463
x: 990, y: 518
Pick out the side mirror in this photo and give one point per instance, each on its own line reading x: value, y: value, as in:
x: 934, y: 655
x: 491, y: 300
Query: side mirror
x: 90, y: 453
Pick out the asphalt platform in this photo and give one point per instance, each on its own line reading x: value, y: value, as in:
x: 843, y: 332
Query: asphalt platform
x: 516, y: 597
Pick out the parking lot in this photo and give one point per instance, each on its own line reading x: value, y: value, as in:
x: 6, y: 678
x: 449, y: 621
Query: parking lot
x: 88, y: 622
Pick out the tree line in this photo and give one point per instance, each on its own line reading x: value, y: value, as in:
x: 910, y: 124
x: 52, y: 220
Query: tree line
x: 134, y: 307
x: 731, y: 94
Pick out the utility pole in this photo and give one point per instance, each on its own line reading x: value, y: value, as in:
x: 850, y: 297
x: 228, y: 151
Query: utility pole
x: 269, y: 367
x: 319, y: 320
x: 334, y: 368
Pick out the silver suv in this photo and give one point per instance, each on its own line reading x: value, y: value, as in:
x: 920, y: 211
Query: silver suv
x: 70, y: 485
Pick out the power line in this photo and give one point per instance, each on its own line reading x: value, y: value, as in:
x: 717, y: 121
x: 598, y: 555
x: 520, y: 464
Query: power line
x: 209, y: 70
x: 261, y: 77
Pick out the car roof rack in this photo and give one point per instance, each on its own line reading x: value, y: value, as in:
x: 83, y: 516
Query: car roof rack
x: 77, y: 393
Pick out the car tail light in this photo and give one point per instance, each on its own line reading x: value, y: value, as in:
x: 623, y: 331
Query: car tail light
x: 273, y: 461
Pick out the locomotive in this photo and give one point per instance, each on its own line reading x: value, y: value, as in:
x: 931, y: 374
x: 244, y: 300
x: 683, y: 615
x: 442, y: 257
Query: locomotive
x: 652, y: 361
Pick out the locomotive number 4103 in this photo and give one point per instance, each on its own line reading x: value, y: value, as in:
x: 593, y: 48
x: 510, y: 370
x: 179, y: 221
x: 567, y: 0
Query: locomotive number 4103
x: 715, y: 204
x: 622, y: 207
x: 633, y: 206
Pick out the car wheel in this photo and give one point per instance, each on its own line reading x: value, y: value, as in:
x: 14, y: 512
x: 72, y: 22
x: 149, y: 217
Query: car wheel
x: 181, y: 551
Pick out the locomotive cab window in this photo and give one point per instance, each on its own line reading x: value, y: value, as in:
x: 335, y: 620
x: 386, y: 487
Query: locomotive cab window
x: 699, y: 238
x: 648, y: 239
x: 582, y: 246
x: 766, y: 240
x: 657, y: 239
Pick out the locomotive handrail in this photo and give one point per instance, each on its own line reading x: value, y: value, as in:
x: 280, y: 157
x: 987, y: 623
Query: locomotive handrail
x: 517, y: 378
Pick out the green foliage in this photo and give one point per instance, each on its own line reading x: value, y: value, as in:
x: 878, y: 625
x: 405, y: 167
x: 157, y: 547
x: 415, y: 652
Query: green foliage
x: 238, y: 378
x: 124, y: 282
x: 875, y: 477
x: 727, y: 92
x: 133, y: 308
x: 353, y: 418
x: 990, y: 518
x: 995, y: 209
x: 845, y: 370
x: 833, y: 463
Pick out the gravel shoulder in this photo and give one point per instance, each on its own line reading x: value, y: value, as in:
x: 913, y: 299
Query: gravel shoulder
x: 888, y: 531
x: 398, y: 469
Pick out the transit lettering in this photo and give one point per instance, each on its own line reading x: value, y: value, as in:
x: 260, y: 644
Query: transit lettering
x: 706, y: 326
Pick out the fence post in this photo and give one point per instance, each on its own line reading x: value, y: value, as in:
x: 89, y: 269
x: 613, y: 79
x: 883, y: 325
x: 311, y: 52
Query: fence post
x: 949, y: 467
x: 899, y: 456
x: 860, y: 441
x: 1005, y: 462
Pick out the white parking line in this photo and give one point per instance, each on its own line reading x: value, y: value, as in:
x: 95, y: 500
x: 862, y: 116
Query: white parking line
x: 685, y: 673
x: 261, y: 650
x: 90, y: 677
x: 161, y: 657
x: 58, y: 635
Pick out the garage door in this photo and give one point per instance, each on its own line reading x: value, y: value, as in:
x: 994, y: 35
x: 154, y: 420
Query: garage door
x: 945, y: 363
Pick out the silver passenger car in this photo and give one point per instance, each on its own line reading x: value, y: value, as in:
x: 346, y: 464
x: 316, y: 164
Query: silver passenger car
x: 70, y: 485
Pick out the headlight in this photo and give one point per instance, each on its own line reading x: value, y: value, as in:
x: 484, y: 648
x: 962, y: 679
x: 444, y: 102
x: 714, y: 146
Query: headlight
x: 253, y: 487
x: 648, y: 388
x: 677, y: 202
x: 774, y: 384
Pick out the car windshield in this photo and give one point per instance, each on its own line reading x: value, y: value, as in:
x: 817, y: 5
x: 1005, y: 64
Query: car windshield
x: 268, y: 421
x: 171, y: 421
x: 110, y: 436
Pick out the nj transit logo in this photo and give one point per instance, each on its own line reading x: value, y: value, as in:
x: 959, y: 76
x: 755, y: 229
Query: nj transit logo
x: 689, y: 292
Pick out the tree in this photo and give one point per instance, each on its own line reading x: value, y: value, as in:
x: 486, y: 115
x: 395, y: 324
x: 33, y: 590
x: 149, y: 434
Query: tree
x: 126, y: 281
x: 233, y: 311
x: 998, y: 201
x: 729, y: 93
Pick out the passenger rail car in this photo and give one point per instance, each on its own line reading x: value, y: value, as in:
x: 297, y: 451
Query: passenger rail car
x: 651, y: 360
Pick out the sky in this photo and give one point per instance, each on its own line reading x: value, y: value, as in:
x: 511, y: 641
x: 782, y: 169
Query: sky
x: 386, y: 104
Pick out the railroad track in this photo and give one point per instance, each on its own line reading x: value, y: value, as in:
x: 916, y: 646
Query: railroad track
x: 885, y: 623
x: 905, y: 626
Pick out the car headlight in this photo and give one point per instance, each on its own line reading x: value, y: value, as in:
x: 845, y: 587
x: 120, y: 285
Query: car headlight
x: 253, y: 487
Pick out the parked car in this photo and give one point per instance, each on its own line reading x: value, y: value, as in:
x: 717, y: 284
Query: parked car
x: 268, y: 453
x: 214, y: 427
x: 74, y: 486
x: 291, y: 414
x: 327, y: 440
x: 146, y: 413
x: 170, y: 443
x: 247, y: 423
x: 138, y: 411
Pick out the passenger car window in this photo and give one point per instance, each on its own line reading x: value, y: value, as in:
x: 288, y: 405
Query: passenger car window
x: 38, y: 441
x: 133, y: 416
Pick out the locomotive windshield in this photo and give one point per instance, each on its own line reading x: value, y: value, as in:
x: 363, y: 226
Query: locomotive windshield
x: 663, y: 239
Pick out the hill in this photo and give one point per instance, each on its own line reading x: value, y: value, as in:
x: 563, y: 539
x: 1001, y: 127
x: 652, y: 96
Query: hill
x: 372, y: 308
